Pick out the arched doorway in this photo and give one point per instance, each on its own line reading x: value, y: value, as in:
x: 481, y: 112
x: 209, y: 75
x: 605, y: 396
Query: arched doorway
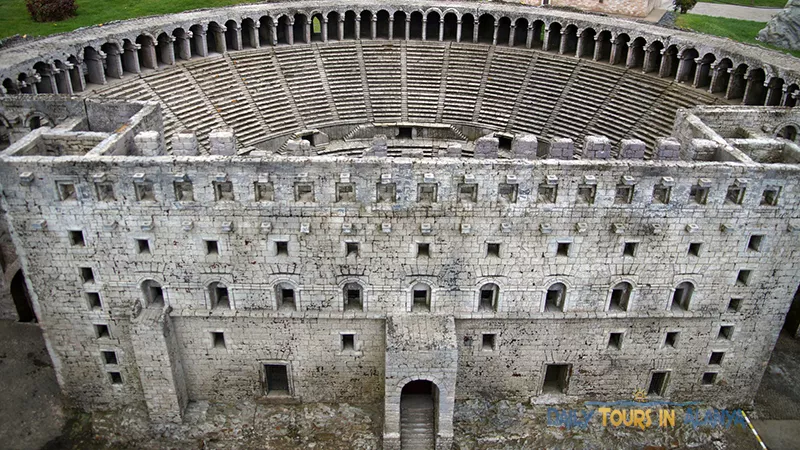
x: 22, y: 301
x: 418, y: 415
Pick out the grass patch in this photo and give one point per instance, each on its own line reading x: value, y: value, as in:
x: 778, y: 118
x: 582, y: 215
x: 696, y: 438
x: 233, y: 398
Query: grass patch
x: 738, y: 30
x: 16, y: 20
x: 755, y: 3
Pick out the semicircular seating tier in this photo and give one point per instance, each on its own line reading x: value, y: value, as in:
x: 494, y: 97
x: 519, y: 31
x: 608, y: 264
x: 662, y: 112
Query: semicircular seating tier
x: 269, y: 72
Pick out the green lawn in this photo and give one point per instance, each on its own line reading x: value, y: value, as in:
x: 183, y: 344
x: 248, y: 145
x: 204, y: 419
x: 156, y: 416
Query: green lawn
x: 759, y: 3
x: 738, y: 30
x: 14, y: 17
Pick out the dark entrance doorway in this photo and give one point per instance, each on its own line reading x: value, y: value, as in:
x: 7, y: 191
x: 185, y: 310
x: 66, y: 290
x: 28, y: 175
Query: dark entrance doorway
x: 792, y: 323
x: 418, y: 413
x: 22, y: 301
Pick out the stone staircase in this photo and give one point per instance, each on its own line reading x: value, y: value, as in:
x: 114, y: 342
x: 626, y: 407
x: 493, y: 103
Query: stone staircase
x: 547, y: 82
x: 417, y: 417
x: 344, y: 80
x: 383, y: 71
x: 258, y: 73
x: 506, y: 76
x: 423, y: 77
x: 464, y: 72
x: 299, y: 68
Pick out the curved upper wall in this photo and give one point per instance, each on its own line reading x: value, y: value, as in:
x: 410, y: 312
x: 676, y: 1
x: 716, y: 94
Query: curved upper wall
x: 16, y: 63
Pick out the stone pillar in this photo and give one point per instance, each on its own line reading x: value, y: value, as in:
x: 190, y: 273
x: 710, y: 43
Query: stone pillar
x: 222, y: 142
x: 237, y: 37
x: 254, y: 33
x: 373, y: 27
x: 598, y: 49
x: 408, y: 27
x: 562, y: 48
x: 494, y: 34
x: 307, y: 31
x: 787, y: 96
x: 358, y: 28
x: 441, y: 29
x: 525, y: 146
x: 475, y: 31
x: 63, y: 80
x: 773, y: 95
x: 716, y: 79
x: 700, y: 72
x: 529, y: 37
x: 684, y: 65
x: 273, y: 33
x: 458, y: 30
x: 425, y: 28
x: 113, y: 63
x: 667, y: 148
x: 94, y: 62
x: 597, y: 147
x: 148, y: 58
x: 648, y: 61
x: 511, y: 34
x: 185, y: 46
x: 167, y: 50
x: 200, y: 43
x: 612, y: 59
x: 486, y: 147
x: 130, y: 58
x: 340, y: 29
x: 666, y: 64
x: 160, y: 368
x: 47, y: 83
x: 546, y: 43
x: 579, y: 45
x: 149, y: 143
x: 290, y: 31
x: 324, y: 29
x: 219, y: 38
x: 184, y: 143
x: 630, y: 61
x: 76, y: 75
x: 631, y: 149
x: 391, y: 27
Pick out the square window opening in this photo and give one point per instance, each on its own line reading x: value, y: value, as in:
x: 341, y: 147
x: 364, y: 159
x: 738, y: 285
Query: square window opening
x: 488, y: 342
x: 615, y: 341
x: 345, y: 192
x: 94, y: 300
x: 426, y: 193
x: 507, y: 192
x: 547, y: 193
x: 102, y: 331
x: 282, y: 248
x: 734, y: 305
x: 716, y: 358
x: 754, y: 244
x: 348, y: 342
x: 145, y: 192
x: 709, y: 378
x: 699, y: 194
x: 619, y: 299
x: 421, y: 300
x: 586, y: 194
x: 353, y: 300
x: 743, y: 278
x: 67, y: 192
x: 487, y: 300
x: 105, y: 192
x: 223, y: 191
x: 115, y: 377
x: 386, y: 193
x: 351, y: 248
x: 265, y: 192
x: 287, y: 300
x: 725, y: 332
x: 155, y: 296
x: 212, y: 248
x: 662, y: 194
x: 405, y: 133
x: 694, y: 249
x: 304, y: 192
x: 504, y: 143
x: 556, y: 378
x: 734, y: 196
x: 493, y: 250
x: 554, y: 299
x: 562, y: 249
x: 467, y: 193
x: 423, y: 250
x: 218, y: 339
x: 276, y: 379
x: 630, y: 249
x: 672, y: 339
x: 624, y: 195
x: 87, y: 275
x: 76, y: 238
x: 770, y: 196
x: 658, y: 384
x: 109, y: 357
x: 143, y: 246
x: 184, y: 191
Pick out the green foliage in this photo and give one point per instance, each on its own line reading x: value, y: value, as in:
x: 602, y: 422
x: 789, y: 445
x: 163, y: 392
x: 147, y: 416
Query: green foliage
x: 755, y: 3
x: 50, y: 10
x: 738, y: 30
x: 684, y: 5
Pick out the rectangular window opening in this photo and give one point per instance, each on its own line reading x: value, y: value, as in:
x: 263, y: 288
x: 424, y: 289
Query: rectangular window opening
x: 658, y: 384
x: 770, y: 196
x: 109, y: 357
x: 218, y: 339
x: 547, y: 193
x: 303, y: 192
x: 102, y: 331
x: 420, y: 300
x: 345, y: 192
x: 699, y: 194
x: 87, y: 275
x: 493, y: 250
x: 404, y: 133
x: 276, y: 379
x: 423, y: 250
x: 143, y: 246
x: 105, y: 192
x: 426, y: 193
x: 467, y: 193
x: 554, y: 300
x: 223, y: 191
x: 488, y: 342
x: 487, y: 300
x: 67, y: 192
x: 734, y: 196
x: 76, y: 238
x: 562, y: 249
x: 630, y: 249
x: 754, y: 244
x: 586, y: 193
x: 615, y: 341
x: 734, y: 304
x: 287, y: 299
x: 348, y: 342
x: 145, y: 192
x: 556, y: 379
x: 619, y: 300
x: 672, y: 339
x: 716, y: 358
x: 694, y: 249
x: 624, y: 195
x: 709, y: 378
x: 743, y: 278
x: 507, y: 192
x: 662, y: 194
x: 265, y: 192
x: 184, y: 191
x: 94, y: 300
x: 386, y: 192
x: 212, y: 247
x: 725, y: 332
x: 353, y: 300
x: 282, y: 248
x: 351, y: 248
x: 115, y: 377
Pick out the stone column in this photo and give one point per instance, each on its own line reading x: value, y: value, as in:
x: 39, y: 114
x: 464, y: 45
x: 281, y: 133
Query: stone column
x: 63, y: 80
x: 47, y: 83
x: 113, y: 63
x: 546, y: 43
x: 787, y: 96
x: 340, y: 29
x: 167, y: 51
x: 716, y: 78
x: 185, y: 46
x: 219, y: 38
x: 237, y: 37
x: 273, y: 33
x: 748, y: 87
x: 94, y: 62
x: 324, y: 29
x: 529, y: 38
x: 666, y: 64
x: 408, y: 27
x: 494, y: 35
x: 579, y: 45
x: 475, y: 31
x: 130, y: 57
x: 290, y: 31
x: 562, y: 48
x: 612, y: 59
x: 76, y: 75
x: 458, y: 30
x: 441, y: 29
x: 511, y: 34
x: 391, y: 27
x: 598, y: 49
x: 358, y: 28
x: 373, y: 27
x: 255, y: 33
x: 684, y: 65
x: 425, y: 28
x: 200, y: 43
x: 700, y: 73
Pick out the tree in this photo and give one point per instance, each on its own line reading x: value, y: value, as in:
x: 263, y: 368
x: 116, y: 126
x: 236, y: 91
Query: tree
x: 684, y: 5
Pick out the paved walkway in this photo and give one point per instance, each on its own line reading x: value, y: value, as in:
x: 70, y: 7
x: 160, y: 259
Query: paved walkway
x: 734, y: 11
